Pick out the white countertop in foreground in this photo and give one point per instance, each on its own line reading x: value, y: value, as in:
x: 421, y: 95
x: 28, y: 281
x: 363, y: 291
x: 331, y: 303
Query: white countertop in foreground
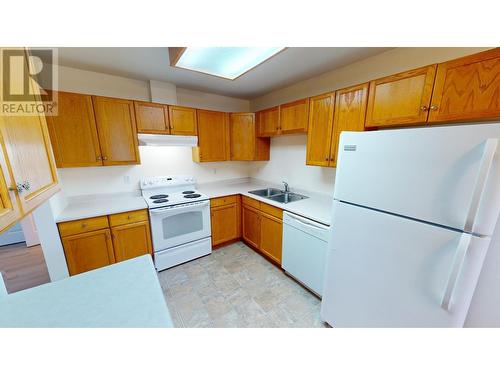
x: 317, y: 207
x: 83, y: 207
x: 125, y: 294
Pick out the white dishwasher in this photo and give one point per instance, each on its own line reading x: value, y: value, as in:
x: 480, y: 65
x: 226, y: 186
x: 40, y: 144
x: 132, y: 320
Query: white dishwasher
x: 305, y: 246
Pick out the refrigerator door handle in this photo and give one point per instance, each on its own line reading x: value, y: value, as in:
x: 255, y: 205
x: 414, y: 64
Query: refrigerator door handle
x: 490, y: 149
x: 462, y: 249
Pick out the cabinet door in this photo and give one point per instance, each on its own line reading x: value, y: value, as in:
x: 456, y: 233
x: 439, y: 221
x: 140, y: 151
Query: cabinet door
x: 242, y: 136
x: 269, y: 122
x: 88, y: 251
x: 213, y: 136
x: 10, y: 211
x: 271, y: 236
x: 73, y: 132
x: 151, y: 118
x: 467, y: 89
x: 401, y: 99
x: 131, y: 240
x: 225, y: 222
x: 251, y: 226
x: 26, y: 141
x: 182, y: 120
x: 350, y: 111
x: 117, y: 130
x: 319, y: 134
x: 294, y: 117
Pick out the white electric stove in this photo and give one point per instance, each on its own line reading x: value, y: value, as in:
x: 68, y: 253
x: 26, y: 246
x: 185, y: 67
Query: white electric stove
x: 180, y: 219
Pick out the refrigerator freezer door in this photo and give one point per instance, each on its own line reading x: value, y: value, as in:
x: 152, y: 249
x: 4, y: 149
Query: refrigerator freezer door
x: 432, y: 174
x: 387, y: 271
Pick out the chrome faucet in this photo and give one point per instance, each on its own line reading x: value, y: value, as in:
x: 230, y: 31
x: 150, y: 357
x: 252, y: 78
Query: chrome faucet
x: 287, y: 189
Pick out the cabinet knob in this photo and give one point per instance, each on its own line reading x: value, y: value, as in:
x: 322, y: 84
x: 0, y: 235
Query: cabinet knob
x: 84, y: 225
x: 98, y: 158
x: 129, y: 217
x: 327, y: 158
x: 104, y: 158
x: 424, y: 108
x: 434, y: 107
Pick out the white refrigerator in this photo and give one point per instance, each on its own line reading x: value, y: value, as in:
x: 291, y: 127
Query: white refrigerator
x: 413, y: 216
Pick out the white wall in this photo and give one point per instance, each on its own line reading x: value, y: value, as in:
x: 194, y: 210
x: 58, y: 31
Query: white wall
x: 288, y: 152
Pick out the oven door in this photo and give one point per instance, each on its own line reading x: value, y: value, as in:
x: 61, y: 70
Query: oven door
x: 173, y: 226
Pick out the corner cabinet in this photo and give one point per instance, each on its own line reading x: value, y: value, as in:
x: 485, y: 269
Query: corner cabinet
x: 28, y: 170
x: 244, y: 143
x: 115, y: 119
x: 400, y: 100
x: 467, y: 89
x: 213, y: 137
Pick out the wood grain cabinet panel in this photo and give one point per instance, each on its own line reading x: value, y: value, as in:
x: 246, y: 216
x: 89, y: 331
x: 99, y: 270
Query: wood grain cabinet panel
x: 152, y: 118
x: 88, y: 251
x: 213, y: 137
x: 467, y: 89
x: 131, y: 240
x: 268, y: 122
x: 225, y: 222
x: 402, y: 99
x: 294, y: 117
x: 69, y: 228
x: 349, y: 115
x: 73, y: 132
x: 251, y: 225
x: 319, y: 134
x: 28, y: 156
x: 271, y: 236
x: 10, y: 211
x: 244, y: 143
x: 182, y: 120
x: 117, y: 130
x: 128, y: 217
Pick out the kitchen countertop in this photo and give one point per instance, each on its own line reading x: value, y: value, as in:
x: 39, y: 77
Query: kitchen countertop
x: 82, y: 207
x: 125, y: 294
x: 317, y: 207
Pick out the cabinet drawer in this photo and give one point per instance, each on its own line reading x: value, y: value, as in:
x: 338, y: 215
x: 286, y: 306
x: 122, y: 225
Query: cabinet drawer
x: 69, y: 228
x: 128, y: 217
x: 222, y: 201
x: 251, y: 202
x: 271, y: 210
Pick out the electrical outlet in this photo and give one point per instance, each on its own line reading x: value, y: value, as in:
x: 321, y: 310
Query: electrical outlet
x: 215, y: 171
x: 126, y: 179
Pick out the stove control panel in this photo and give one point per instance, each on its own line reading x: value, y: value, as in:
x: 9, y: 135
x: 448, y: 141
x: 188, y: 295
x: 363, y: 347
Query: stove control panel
x: 158, y: 181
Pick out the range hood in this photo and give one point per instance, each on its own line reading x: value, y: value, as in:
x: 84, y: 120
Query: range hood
x: 167, y: 140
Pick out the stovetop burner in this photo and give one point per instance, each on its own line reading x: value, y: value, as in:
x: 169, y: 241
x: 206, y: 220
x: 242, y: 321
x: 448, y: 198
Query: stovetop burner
x: 161, y: 200
x: 159, y: 196
x: 192, y: 195
x: 188, y: 192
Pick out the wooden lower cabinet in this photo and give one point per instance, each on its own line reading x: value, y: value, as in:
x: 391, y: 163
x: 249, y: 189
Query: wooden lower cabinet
x: 251, y: 226
x: 131, y: 240
x: 88, y: 251
x: 263, y: 228
x: 225, y: 217
x: 100, y: 241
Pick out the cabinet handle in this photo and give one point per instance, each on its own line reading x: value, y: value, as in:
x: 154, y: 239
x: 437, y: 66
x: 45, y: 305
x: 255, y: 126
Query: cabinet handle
x: 129, y: 217
x: 424, y: 108
x: 84, y: 225
x: 98, y: 158
x: 104, y: 158
x: 434, y: 107
x: 327, y: 158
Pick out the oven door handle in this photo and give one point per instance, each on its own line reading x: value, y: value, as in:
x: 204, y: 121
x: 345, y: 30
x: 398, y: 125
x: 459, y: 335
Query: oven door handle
x: 159, y: 211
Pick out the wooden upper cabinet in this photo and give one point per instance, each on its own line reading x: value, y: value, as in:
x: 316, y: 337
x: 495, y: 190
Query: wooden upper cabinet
x: 319, y: 135
x: 73, y: 132
x: 294, y: 117
x: 29, y: 162
x: 244, y: 143
x: 152, y: 118
x: 117, y: 130
x: 350, y: 112
x: 401, y: 99
x: 268, y: 122
x: 182, y: 120
x: 467, y: 88
x: 213, y: 136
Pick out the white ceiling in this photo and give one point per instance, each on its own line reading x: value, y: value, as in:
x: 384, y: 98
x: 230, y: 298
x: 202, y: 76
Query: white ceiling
x: 152, y: 63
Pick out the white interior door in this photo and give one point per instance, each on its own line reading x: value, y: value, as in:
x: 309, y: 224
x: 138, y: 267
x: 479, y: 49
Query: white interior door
x: 430, y: 173
x: 387, y: 271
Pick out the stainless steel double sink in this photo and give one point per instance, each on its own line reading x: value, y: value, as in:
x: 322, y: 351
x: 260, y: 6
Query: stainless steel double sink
x: 278, y: 195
